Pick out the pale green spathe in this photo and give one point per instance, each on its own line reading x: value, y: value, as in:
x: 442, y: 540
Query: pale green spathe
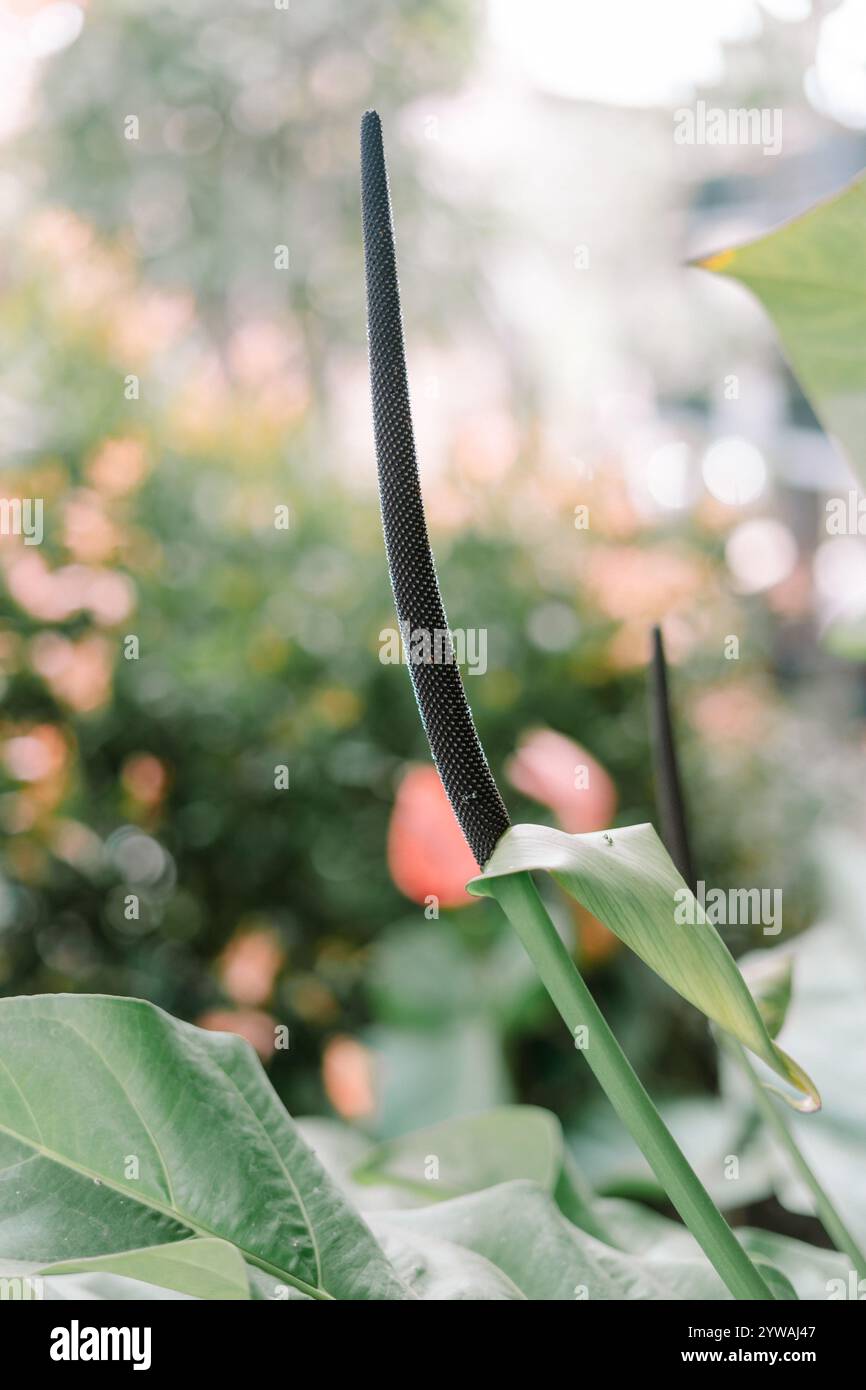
x: 627, y: 879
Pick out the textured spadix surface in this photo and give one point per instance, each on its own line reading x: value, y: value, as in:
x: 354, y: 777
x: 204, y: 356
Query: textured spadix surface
x: 445, y: 713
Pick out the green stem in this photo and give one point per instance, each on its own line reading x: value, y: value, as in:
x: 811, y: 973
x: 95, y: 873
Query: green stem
x: 519, y: 900
x: 776, y: 1121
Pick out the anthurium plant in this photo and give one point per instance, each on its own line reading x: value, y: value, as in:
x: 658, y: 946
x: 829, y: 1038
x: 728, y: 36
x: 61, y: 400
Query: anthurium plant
x: 143, y: 1157
x: 625, y: 878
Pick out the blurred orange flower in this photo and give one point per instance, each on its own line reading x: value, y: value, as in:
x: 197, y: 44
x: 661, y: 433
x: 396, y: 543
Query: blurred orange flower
x: 87, y: 532
x: 427, y: 854
x: 118, y: 466
x: 145, y: 778
x: 556, y: 771
x: 347, y: 1073
x: 596, y: 943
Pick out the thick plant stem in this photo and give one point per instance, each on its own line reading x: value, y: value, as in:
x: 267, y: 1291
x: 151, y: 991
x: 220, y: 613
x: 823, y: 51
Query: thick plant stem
x: 519, y: 900
x: 778, y: 1125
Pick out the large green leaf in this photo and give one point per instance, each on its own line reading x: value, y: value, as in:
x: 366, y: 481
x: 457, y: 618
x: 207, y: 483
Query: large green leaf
x: 111, y: 1288
x: 525, y: 1240
x: 491, y: 1222
x: 464, y: 1155
x: 472, y: 1152
x: 645, y: 1232
x: 440, y: 1270
x: 814, y: 1274
x: 626, y: 878
x: 810, y: 275
x: 121, y: 1128
x: 518, y: 1229
x: 201, y: 1267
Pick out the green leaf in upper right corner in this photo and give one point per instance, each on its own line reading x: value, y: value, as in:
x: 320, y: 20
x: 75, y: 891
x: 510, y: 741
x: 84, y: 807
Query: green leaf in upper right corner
x: 810, y: 276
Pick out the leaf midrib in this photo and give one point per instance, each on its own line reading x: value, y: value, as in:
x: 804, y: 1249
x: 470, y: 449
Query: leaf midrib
x: 155, y: 1205
x: 124, y: 1090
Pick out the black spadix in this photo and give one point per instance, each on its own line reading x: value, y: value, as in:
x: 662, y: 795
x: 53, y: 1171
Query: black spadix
x: 446, y: 716
x: 670, y: 804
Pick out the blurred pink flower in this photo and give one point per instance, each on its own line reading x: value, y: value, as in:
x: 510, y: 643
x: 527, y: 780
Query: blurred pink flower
x: 552, y: 769
x: 53, y: 595
x: 631, y: 647
x: 118, y: 466
x: 37, y: 754
x: 248, y: 966
x: 259, y: 348
x: 486, y: 445
x: 33, y: 587
x: 87, y: 532
x: 148, y: 321
x: 79, y: 673
x: 613, y: 513
x: 257, y: 1027
x: 735, y: 713
x: 636, y: 582
x: 109, y: 597
x: 39, y: 757
x: 427, y: 854
x: 60, y: 235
